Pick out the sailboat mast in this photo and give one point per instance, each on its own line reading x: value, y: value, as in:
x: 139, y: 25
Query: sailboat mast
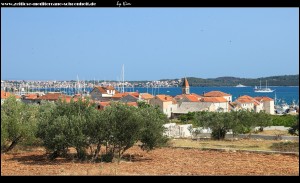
x: 123, y: 79
x: 260, y: 84
x: 78, y: 84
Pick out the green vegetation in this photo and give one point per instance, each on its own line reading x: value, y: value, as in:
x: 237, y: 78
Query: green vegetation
x: 18, y: 123
x: 284, y: 120
x: 60, y: 126
x: 238, y: 121
x: 294, y: 130
x: 66, y: 125
x: 108, y: 133
x: 186, y: 118
x: 81, y: 126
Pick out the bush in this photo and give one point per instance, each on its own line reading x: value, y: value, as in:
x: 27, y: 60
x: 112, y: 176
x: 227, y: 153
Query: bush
x: 65, y: 125
x: 294, y: 130
x: 190, y: 116
x: 219, y: 123
x: 18, y: 123
x: 80, y: 125
x: 152, y: 132
x: 284, y: 120
x: 238, y: 121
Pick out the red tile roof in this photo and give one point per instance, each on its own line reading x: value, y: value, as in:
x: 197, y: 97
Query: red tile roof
x: 263, y: 98
x: 31, y: 96
x: 216, y: 94
x: 54, y: 96
x: 103, y: 89
x: 119, y: 95
x: 196, y: 95
x: 5, y: 95
x: 213, y: 99
x: 146, y: 96
x: 247, y: 99
x: 164, y: 98
x: 192, y: 98
x: 135, y: 94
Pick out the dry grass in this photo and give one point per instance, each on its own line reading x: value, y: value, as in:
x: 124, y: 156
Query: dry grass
x: 163, y: 161
x: 241, y: 144
x: 275, y: 132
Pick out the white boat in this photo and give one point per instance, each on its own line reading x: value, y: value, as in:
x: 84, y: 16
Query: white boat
x: 240, y: 85
x: 263, y: 90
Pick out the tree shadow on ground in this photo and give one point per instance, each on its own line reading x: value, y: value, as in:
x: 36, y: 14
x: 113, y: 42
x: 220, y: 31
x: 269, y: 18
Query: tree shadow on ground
x: 135, y: 158
x: 44, y: 160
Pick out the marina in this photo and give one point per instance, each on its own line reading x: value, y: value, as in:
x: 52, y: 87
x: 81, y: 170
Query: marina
x: 282, y: 94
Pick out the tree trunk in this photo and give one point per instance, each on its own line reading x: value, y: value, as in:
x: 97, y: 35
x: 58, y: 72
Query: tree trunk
x: 54, y: 155
x: 97, y: 152
x: 13, y: 144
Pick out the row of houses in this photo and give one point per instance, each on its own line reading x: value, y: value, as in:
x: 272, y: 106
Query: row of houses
x: 214, y: 101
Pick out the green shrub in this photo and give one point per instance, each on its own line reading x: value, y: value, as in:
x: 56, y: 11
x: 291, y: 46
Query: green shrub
x: 294, y: 130
x: 18, y: 123
x: 284, y: 120
x: 117, y: 128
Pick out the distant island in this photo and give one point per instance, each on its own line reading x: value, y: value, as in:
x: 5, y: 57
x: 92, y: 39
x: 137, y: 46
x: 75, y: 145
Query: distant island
x: 286, y: 80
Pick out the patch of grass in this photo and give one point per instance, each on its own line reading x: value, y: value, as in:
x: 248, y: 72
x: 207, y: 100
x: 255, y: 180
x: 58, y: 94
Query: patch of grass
x: 286, y: 146
x: 241, y: 144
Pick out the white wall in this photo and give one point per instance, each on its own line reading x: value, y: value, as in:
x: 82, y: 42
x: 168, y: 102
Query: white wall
x: 269, y: 107
x: 177, y: 131
x: 228, y: 98
x: 223, y: 105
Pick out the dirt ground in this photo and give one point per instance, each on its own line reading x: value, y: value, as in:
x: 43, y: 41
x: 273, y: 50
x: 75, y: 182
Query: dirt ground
x: 163, y: 161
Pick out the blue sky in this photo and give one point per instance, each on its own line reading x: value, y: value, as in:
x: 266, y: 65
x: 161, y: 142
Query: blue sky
x: 152, y: 43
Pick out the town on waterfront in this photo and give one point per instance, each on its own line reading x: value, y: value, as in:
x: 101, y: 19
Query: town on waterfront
x: 284, y: 99
x: 206, y: 91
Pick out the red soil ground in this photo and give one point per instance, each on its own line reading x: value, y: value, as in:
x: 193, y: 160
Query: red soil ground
x: 164, y: 161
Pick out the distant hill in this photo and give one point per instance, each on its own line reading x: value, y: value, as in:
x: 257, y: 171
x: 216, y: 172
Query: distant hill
x: 286, y: 80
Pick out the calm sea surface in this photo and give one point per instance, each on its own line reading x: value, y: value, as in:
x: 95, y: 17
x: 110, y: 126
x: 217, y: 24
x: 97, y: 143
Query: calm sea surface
x: 283, y: 93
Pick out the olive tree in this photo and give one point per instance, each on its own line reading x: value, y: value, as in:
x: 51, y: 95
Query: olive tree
x: 219, y: 122
x: 152, y: 131
x: 18, y: 122
x: 66, y: 125
x: 123, y: 128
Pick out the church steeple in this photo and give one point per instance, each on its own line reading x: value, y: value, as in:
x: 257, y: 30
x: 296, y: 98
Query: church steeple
x: 185, y: 87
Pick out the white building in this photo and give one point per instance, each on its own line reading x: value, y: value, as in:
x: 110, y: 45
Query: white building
x: 165, y: 103
x: 256, y: 104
